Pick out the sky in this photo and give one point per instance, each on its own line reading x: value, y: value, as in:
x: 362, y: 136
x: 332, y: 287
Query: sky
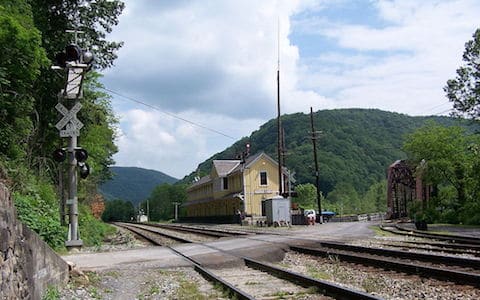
x: 193, y: 77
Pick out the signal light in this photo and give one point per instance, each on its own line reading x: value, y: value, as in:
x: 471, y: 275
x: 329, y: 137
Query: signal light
x: 59, y: 155
x: 292, y: 194
x: 81, y: 155
x: 61, y: 59
x: 84, y: 169
x: 87, y: 57
x: 73, y: 53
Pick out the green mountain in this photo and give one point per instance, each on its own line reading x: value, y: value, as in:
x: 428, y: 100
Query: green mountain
x: 133, y: 184
x: 356, y: 146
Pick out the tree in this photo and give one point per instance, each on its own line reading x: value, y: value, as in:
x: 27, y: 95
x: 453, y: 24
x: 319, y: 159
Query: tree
x: 445, y: 152
x: 53, y: 18
x: 450, y: 156
x: 344, y: 199
x: 375, y: 199
x: 118, y: 210
x: 464, y: 90
x: 307, y: 195
x: 161, y: 201
x: 21, y: 59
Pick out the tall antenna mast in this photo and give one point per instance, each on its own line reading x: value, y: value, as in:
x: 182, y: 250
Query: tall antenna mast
x: 279, y: 122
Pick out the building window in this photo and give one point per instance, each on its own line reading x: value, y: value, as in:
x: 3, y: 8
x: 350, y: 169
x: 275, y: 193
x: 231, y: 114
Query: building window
x: 225, y: 183
x: 263, y: 178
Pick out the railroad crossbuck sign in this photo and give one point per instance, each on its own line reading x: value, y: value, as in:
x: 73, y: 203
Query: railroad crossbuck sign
x: 69, y: 121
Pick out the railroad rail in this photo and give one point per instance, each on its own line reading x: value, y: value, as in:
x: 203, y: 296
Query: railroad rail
x: 140, y: 230
x: 203, y: 230
x: 432, y: 247
x: 441, y: 273
x: 455, y: 238
x: 439, y: 259
x: 229, y: 288
x: 325, y: 288
x: 469, y: 242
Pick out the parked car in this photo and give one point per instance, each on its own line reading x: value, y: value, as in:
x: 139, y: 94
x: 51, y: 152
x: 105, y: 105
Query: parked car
x: 327, y: 215
x: 310, y: 213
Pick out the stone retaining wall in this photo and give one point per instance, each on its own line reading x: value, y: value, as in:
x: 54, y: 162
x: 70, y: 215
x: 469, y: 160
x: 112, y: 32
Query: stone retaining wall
x: 27, y: 264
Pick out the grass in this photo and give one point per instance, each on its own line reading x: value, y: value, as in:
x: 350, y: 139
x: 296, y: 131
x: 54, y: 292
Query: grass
x: 93, y: 277
x: 51, y: 293
x: 373, y: 284
x: 154, y: 290
x: 91, y: 285
x: 281, y: 295
x: 94, y: 293
x: 456, y: 225
x: 379, y: 232
x: 113, y: 274
x: 337, y: 272
x: 317, y: 274
x: 432, y: 228
x: 189, y: 290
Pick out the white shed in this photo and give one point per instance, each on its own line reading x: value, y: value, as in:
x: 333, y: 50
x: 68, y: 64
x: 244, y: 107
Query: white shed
x: 277, y: 210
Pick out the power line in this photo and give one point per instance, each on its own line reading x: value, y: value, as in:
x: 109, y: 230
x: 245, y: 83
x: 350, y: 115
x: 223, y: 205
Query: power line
x: 434, y: 107
x: 442, y: 112
x: 167, y: 113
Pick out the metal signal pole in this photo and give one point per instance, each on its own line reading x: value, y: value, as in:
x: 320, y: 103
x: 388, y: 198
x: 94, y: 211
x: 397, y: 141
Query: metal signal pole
x: 75, y: 62
x: 317, y: 174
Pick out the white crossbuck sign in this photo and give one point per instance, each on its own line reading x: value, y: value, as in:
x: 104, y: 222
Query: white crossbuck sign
x: 69, y: 121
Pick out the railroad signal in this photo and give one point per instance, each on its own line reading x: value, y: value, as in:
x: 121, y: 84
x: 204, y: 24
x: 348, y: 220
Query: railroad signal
x: 75, y: 62
x: 61, y: 59
x: 84, y: 169
x: 73, y: 53
x: 59, y: 155
x: 292, y: 194
x: 81, y: 155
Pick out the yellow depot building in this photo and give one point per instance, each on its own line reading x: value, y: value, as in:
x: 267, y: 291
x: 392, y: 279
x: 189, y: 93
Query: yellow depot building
x: 234, y: 186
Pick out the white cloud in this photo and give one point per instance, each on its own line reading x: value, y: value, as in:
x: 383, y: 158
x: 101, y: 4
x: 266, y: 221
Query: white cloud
x: 399, y: 67
x: 208, y: 55
x: 214, y: 63
x: 153, y: 140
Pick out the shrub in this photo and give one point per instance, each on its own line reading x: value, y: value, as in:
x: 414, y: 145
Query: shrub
x: 92, y: 231
x: 39, y: 211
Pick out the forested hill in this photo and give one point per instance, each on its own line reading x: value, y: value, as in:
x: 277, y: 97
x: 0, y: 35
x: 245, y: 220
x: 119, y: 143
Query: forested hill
x: 355, y: 148
x: 133, y: 184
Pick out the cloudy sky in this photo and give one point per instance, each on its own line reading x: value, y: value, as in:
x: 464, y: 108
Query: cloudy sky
x: 206, y: 70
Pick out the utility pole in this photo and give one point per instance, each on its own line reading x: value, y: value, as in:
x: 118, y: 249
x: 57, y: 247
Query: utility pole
x: 317, y: 174
x: 75, y: 62
x: 148, y: 211
x: 176, y: 209
x: 279, y: 122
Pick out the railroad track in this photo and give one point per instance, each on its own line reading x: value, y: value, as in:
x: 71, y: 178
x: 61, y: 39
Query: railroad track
x: 204, y: 230
x: 438, y: 259
x: 323, y: 287
x: 446, y: 268
x: 156, y: 235
x: 468, y: 242
x: 438, y: 247
x: 429, y: 258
